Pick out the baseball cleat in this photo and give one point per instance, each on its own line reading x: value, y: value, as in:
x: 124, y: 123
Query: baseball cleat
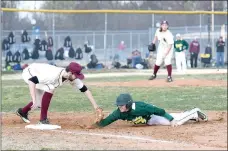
x: 23, y: 116
x: 202, y: 116
x: 169, y: 79
x: 152, y: 77
x: 45, y: 121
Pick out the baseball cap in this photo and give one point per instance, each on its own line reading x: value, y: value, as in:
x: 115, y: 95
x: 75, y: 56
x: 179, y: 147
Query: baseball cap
x: 178, y: 35
x: 164, y: 22
x: 123, y: 99
x: 76, y: 69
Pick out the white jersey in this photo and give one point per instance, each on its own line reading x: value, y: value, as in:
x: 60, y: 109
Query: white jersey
x: 49, y: 76
x: 164, y: 38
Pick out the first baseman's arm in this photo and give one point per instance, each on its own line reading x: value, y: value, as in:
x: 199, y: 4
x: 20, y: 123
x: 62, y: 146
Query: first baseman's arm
x: 87, y: 92
x: 91, y: 99
x: 32, y: 87
x: 151, y: 109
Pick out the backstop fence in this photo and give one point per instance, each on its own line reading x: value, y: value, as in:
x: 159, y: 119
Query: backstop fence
x: 105, y: 29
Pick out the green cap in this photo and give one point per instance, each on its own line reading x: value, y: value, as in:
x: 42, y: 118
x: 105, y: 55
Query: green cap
x: 123, y: 99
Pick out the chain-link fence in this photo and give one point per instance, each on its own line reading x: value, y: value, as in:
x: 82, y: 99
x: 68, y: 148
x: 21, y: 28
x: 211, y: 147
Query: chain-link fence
x: 106, y: 31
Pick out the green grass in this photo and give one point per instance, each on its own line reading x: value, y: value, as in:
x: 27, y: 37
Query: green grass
x: 68, y: 99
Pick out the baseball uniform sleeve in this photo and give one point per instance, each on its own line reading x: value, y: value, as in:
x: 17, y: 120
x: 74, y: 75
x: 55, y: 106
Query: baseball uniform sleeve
x: 186, y: 45
x: 109, y: 119
x: 78, y: 83
x: 157, y: 33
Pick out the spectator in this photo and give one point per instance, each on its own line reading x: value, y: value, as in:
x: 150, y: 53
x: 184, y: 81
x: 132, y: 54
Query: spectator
x: 136, y: 58
x: 180, y: 46
x: 89, y: 49
x: 220, y: 44
x: 119, y: 54
x: 149, y: 60
x: 194, y: 51
x: 206, y: 59
x: 93, y: 63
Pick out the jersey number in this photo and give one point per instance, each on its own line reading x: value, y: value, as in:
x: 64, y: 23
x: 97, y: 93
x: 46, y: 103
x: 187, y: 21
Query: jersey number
x: 179, y: 46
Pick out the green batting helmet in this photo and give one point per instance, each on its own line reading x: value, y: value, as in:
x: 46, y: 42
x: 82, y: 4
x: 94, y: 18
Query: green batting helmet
x: 124, y: 99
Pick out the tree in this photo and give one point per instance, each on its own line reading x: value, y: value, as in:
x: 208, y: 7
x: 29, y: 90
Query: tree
x: 10, y: 19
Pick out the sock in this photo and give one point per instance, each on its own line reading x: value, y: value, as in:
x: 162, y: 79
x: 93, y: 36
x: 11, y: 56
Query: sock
x: 27, y: 108
x: 169, y: 69
x: 156, y: 69
x: 45, y: 105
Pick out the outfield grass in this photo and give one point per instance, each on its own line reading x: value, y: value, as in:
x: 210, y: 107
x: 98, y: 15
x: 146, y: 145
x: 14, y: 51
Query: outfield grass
x: 68, y: 99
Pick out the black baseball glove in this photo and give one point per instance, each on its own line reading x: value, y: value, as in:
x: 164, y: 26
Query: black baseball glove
x: 152, y: 47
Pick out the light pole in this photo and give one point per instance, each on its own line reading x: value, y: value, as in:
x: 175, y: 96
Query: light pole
x: 53, y: 29
x: 212, y: 27
x: 105, y: 37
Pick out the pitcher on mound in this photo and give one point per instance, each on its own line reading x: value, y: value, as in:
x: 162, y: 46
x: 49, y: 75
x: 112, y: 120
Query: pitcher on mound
x: 165, y: 50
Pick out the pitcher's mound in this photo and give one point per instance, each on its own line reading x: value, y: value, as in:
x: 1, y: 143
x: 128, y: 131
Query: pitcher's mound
x: 43, y: 126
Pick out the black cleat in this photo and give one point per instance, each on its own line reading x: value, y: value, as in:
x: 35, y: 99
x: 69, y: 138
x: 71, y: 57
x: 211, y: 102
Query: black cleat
x: 23, y: 116
x: 152, y: 77
x: 45, y: 121
x: 169, y: 79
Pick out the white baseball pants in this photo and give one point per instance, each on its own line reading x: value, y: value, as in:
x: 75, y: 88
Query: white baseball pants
x: 180, y: 61
x: 40, y: 88
x: 181, y: 118
x: 160, y: 56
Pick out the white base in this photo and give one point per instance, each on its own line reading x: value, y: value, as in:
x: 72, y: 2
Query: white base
x: 43, y: 126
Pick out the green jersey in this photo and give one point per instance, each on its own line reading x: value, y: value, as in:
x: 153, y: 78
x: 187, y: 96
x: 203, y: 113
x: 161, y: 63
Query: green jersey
x: 180, y: 45
x: 139, y: 113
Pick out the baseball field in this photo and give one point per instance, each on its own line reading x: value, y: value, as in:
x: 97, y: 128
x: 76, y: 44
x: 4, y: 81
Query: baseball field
x: 205, y: 89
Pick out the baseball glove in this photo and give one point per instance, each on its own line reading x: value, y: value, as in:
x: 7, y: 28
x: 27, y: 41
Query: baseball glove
x: 152, y: 47
x: 99, y: 115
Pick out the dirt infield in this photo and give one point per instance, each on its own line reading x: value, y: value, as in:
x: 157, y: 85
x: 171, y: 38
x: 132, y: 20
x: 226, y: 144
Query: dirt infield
x: 120, y: 135
x: 162, y: 83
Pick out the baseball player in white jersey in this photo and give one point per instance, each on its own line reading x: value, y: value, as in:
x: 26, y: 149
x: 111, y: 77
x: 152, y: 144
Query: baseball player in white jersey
x: 43, y: 79
x: 165, y: 50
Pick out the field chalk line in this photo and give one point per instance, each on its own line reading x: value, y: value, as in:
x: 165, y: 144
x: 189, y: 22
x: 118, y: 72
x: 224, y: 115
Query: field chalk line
x: 123, y: 74
x: 129, y: 137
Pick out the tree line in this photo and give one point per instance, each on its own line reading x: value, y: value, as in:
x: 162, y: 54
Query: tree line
x: 95, y: 21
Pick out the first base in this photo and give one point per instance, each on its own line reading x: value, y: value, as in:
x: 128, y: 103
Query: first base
x: 43, y: 126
